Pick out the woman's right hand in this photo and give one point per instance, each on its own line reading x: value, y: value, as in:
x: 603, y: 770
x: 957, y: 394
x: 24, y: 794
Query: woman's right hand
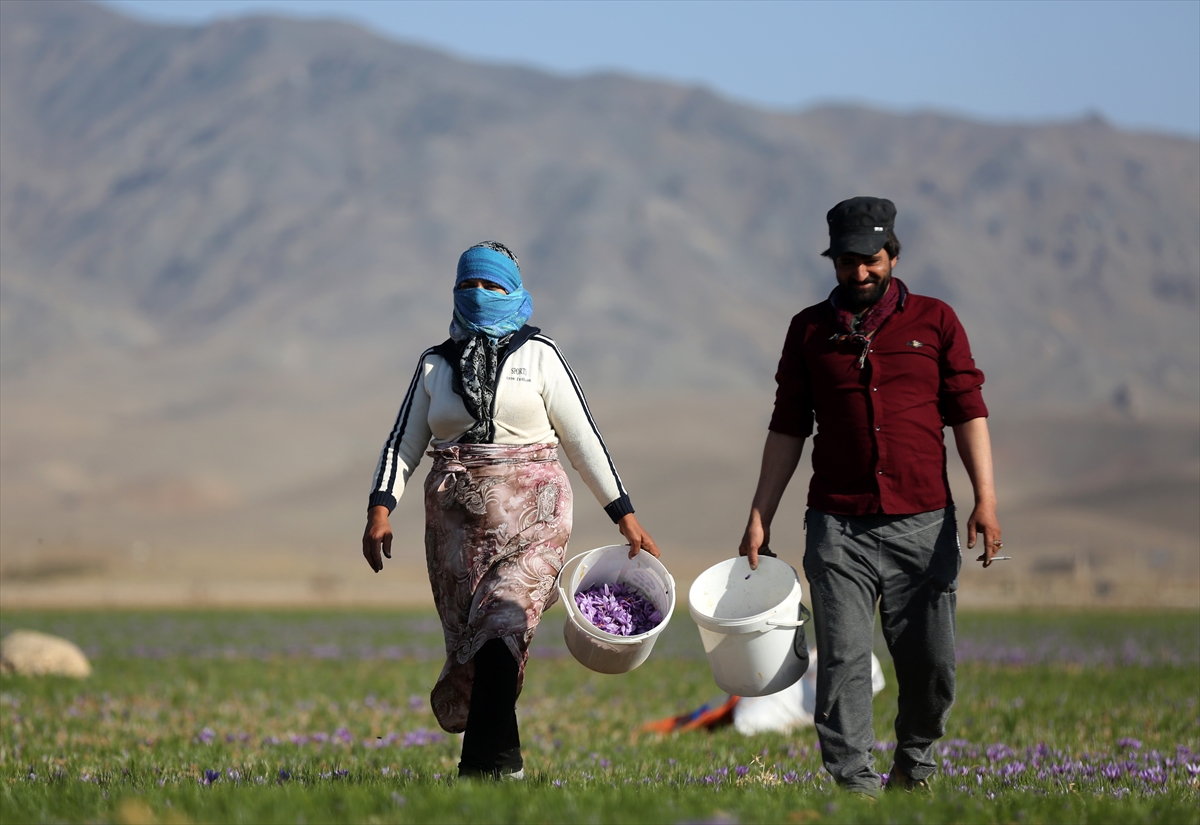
x: 377, y: 538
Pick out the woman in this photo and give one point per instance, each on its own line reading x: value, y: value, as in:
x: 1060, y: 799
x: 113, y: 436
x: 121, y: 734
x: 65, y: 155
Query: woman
x: 496, y: 399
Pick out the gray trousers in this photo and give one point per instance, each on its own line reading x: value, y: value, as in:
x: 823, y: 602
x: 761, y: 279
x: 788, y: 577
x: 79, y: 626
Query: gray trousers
x: 909, y: 565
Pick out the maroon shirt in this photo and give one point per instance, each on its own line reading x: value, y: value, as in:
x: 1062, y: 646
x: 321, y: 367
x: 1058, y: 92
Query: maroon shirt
x: 879, y: 445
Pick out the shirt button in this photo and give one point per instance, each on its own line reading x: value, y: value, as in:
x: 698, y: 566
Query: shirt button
x: 874, y: 389
x: 877, y: 429
x: 881, y: 472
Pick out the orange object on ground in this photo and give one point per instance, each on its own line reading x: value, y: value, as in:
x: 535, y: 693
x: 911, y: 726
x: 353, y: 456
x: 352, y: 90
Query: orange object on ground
x: 704, y: 717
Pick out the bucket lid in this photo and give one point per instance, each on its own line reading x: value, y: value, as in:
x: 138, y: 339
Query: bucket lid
x: 731, y: 598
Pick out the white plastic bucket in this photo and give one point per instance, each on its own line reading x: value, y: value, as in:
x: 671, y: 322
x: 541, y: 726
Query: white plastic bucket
x: 751, y: 625
x: 592, y: 647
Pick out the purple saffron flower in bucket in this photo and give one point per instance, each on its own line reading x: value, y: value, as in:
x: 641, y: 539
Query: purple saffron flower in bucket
x: 618, y: 609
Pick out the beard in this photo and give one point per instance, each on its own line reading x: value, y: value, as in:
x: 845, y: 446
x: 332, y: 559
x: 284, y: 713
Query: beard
x: 862, y: 296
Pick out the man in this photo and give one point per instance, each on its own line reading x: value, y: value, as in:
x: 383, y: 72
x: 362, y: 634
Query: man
x: 881, y: 371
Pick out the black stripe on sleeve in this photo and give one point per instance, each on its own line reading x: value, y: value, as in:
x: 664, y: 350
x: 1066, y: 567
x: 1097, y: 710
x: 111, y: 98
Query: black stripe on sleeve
x: 389, y: 466
x: 591, y: 421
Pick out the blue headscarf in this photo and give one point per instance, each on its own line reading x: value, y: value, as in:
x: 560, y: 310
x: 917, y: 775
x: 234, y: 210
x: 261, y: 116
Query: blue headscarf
x: 482, y: 311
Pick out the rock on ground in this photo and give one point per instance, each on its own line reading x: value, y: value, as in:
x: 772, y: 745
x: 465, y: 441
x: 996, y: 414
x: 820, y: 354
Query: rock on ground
x: 29, y: 653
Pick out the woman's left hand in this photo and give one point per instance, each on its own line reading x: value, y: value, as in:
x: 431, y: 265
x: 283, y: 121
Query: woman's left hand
x: 637, y: 536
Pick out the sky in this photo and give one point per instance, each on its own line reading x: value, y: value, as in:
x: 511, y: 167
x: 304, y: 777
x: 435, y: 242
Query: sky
x: 1136, y: 64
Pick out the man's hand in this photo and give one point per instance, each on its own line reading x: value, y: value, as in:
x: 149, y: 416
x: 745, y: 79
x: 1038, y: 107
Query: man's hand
x: 755, y: 538
x: 781, y: 454
x: 983, y: 521
x: 637, y: 536
x: 975, y: 449
x: 377, y: 538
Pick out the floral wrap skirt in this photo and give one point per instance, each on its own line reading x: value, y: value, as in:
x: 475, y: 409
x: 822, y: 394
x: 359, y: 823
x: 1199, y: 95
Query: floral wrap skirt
x: 497, y: 521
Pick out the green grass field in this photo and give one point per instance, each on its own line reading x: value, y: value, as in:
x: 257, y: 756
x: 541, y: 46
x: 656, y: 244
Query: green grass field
x: 323, y: 716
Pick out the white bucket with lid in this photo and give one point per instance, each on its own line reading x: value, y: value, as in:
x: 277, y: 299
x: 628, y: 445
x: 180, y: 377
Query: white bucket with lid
x: 751, y: 625
x: 594, y: 648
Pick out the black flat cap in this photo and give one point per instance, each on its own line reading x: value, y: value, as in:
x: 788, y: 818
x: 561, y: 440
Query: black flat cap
x: 860, y: 225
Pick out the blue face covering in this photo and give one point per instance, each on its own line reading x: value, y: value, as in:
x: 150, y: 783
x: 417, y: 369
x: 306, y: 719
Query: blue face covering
x: 482, y: 311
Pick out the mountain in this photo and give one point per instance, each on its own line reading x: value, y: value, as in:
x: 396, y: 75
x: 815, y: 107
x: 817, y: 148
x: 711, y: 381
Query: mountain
x: 309, y: 185
x: 222, y: 248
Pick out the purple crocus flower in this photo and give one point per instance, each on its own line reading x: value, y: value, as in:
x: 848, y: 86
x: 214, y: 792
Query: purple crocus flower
x: 997, y: 752
x: 420, y: 737
x: 618, y: 609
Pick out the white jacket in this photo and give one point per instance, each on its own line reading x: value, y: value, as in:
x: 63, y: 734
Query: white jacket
x: 538, y: 401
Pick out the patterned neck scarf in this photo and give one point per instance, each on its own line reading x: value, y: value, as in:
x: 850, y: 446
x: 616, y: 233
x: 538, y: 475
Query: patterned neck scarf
x: 860, y: 328
x: 475, y: 369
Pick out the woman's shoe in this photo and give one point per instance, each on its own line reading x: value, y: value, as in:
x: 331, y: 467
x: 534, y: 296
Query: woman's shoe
x: 494, y: 775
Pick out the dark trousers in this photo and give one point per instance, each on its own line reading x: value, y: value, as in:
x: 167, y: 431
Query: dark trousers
x: 909, y: 565
x: 492, y: 743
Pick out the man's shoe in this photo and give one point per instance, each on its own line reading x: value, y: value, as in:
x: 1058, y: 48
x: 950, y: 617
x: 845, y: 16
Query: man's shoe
x: 513, y: 776
x: 898, y: 780
x: 868, y: 792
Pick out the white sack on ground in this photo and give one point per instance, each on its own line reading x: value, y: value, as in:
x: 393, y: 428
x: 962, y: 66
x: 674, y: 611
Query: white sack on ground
x: 792, y: 707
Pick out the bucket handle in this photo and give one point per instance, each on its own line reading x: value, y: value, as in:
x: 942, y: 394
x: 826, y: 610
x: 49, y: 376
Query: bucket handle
x: 804, y: 617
